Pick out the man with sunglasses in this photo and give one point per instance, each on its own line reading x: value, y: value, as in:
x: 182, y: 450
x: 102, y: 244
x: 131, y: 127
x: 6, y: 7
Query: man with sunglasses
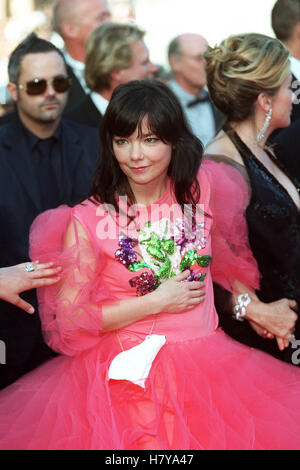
x: 45, y: 161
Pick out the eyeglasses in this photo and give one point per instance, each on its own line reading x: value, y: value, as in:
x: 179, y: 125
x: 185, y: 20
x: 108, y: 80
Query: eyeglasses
x: 37, y: 86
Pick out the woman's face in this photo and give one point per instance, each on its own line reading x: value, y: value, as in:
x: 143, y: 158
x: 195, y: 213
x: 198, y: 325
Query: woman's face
x: 282, y: 105
x: 144, y: 159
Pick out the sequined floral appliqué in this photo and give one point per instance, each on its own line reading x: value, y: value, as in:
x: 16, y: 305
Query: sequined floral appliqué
x: 166, y: 249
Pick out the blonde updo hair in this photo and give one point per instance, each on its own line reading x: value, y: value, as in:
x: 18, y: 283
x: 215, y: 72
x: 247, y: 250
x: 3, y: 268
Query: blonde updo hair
x: 242, y: 67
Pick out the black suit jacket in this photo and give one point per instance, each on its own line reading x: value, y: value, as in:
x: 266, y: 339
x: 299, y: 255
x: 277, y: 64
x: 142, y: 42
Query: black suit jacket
x: 286, y: 141
x: 85, y: 113
x: 294, y: 115
x: 76, y: 93
x: 20, y: 204
x: 287, y: 148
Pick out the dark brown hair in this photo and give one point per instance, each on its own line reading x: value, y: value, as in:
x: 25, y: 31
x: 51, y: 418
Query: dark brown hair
x: 129, y: 104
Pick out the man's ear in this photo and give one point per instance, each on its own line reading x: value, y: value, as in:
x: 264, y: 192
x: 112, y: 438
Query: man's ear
x: 297, y: 30
x: 69, y: 29
x: 13, y: 90
x: 175, y: 63
x: 116, y: 76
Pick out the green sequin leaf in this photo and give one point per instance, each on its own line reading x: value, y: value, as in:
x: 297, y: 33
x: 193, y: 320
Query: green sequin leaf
x: 168, y: 246
x: 156, y: 253
x: 165, y: 270
x: 203, y: 260
x: 188, y: 260
x: 134, y: 267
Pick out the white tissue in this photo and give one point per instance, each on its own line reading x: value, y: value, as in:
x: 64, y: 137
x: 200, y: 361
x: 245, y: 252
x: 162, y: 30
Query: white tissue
x: 135, y: 363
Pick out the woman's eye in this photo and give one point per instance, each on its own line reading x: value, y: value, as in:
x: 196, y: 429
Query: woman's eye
x: 120, y: 141
x: 151, y: 140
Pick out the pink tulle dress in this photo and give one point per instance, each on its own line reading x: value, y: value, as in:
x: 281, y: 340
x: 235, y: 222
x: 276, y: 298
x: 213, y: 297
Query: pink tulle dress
x: 203, y: 390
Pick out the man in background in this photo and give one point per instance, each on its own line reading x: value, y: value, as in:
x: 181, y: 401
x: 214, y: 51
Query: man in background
x: 45, y: 161
x: 74, y: 20
x: 285, y: 18
x: 185, y: 54
x: 116, y: 53
x: 286, y: 25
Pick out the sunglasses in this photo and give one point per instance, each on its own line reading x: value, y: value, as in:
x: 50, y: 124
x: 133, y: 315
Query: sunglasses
x: 60, y: 84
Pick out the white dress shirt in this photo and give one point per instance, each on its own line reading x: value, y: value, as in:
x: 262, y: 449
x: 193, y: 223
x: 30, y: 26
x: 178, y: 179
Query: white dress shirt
x: 100, y: 102
x: 78, y: 69
x: 295, y: 67
x: 200, y: 116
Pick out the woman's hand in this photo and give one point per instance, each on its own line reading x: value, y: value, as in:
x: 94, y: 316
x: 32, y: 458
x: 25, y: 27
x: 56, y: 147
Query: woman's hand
x: 176, y: 295
x: 281, y: 342
x: 274, y: 319
x: 15, y: 279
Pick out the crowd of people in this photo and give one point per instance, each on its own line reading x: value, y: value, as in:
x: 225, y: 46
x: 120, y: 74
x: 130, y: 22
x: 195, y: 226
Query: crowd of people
x: 159, y: 221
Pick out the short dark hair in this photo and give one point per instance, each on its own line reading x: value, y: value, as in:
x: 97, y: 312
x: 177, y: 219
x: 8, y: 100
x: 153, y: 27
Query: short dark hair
x: 285, y: 15
x: 32, y: 44
x: 174, y: 47
x: 129, y: 104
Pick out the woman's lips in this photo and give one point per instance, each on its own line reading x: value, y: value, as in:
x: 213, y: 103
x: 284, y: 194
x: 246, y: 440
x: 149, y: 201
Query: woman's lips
x: 139, y: 169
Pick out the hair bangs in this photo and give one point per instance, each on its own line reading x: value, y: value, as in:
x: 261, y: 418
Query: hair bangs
x: 144, y: 109
x: 159, y: 123
x: 147, y: 107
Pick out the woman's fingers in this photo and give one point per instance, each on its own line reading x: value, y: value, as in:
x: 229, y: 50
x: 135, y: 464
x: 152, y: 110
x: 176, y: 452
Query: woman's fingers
x: 22, y: 304
x: 269, y: 335
x: 44, y: 281
x: 195, y: 285
x: 197, y: 300
x: 182, y: 276
x: 280, y: 343
x: 41, y: 270
x: 45, y: 272
x: 196, y: 293
x: 293, y: 305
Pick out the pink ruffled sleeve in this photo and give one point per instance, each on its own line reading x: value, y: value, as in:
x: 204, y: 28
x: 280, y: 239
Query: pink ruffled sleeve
x: 232, y: 258
x: 70, y: 311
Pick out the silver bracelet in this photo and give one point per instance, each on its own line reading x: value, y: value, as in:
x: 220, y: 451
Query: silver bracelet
x: 239, y: 310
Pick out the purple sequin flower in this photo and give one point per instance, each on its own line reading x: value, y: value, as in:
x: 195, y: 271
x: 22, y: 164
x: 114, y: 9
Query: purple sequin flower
x: 126, y: 242
x: 193, y: 276
x: 125, y: 253
x: 191, y: 235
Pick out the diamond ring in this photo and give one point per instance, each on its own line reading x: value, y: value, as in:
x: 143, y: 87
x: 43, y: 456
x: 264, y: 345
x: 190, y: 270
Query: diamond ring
x: 29, y: 267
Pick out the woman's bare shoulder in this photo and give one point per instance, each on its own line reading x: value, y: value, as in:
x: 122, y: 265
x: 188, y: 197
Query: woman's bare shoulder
x: 221, y: 145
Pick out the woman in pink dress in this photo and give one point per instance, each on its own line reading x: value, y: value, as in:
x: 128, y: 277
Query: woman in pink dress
x: 143, y: 364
